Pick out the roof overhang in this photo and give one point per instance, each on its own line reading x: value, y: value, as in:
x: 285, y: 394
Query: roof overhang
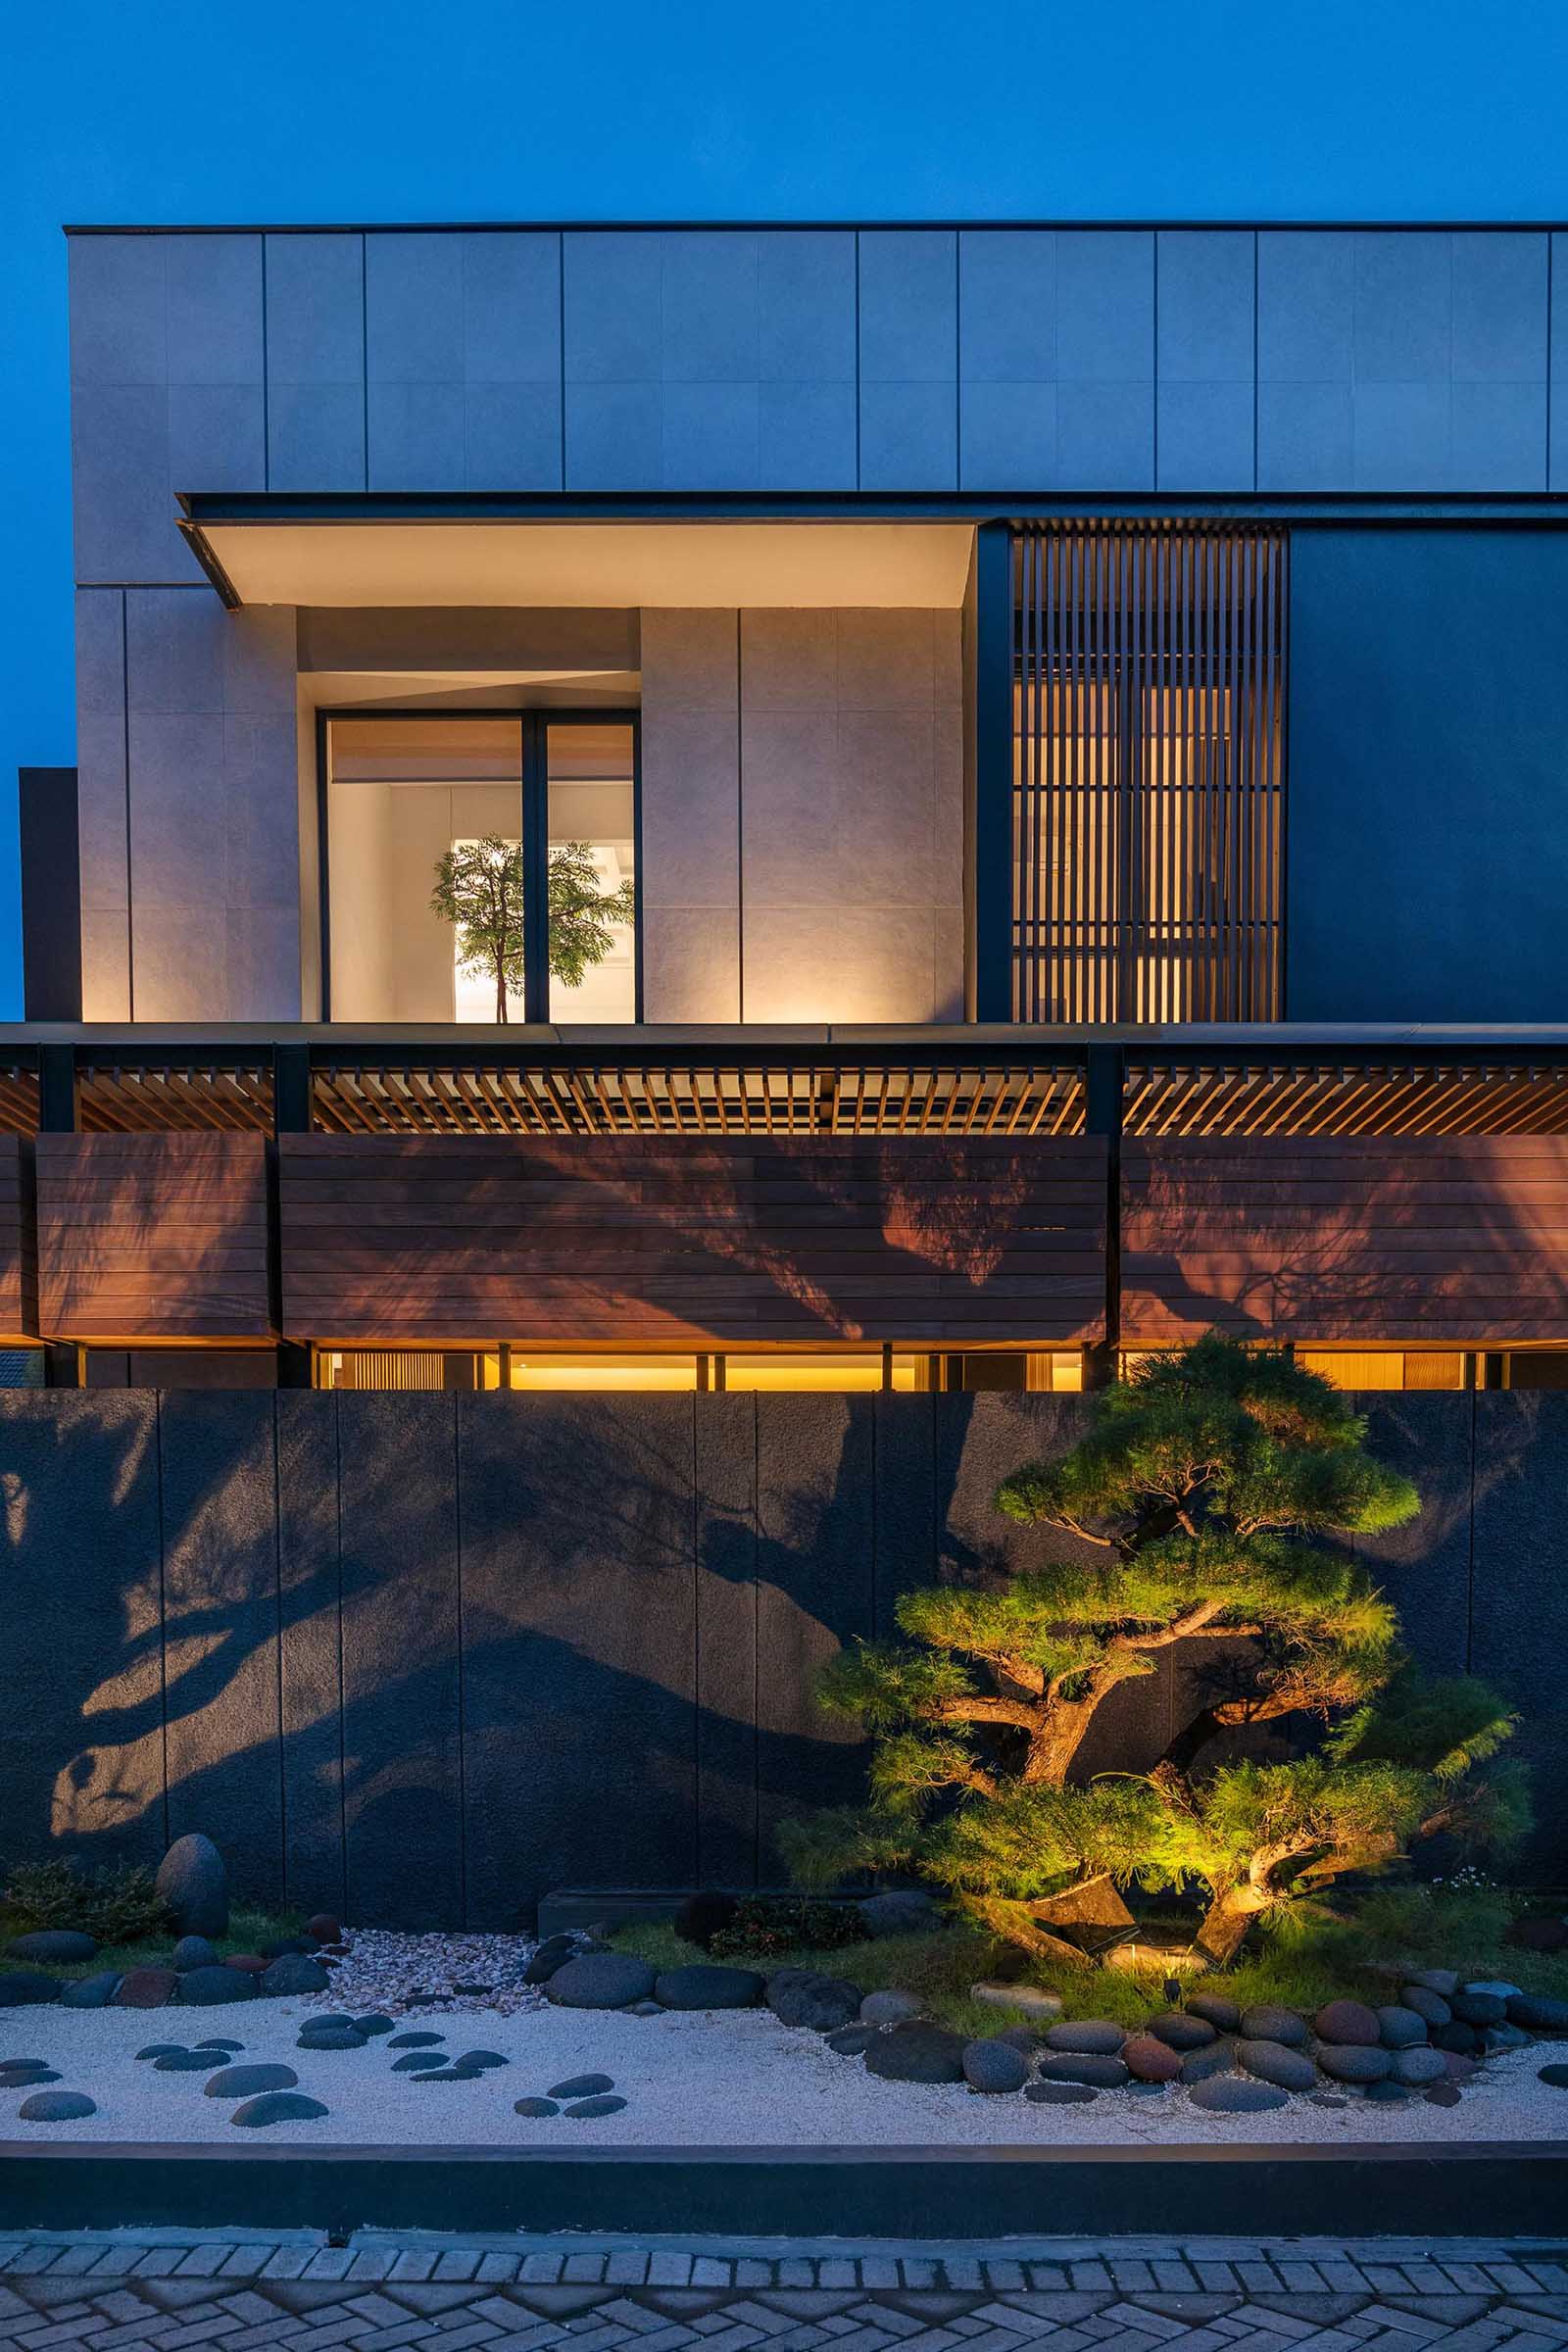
x: 370, y: 552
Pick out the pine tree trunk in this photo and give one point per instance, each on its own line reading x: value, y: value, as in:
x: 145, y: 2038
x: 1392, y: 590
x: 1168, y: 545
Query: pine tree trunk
x: 1225, y: 1925
x: 1014, y: 1924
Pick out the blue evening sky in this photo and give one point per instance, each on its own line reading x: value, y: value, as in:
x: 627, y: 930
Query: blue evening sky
x: 496, y: 110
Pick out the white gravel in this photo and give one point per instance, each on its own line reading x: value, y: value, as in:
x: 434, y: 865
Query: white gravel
x: 735, y: 2079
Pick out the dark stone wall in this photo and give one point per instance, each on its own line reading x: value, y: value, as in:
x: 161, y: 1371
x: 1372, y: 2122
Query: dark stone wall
x: 426, y: 1658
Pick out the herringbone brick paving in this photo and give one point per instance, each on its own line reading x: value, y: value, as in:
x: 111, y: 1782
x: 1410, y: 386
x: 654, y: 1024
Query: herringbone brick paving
x: 182, y: 2292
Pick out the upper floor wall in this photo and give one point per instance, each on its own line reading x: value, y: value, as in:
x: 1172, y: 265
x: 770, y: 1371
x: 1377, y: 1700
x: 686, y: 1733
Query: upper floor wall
x: 1116, y: 362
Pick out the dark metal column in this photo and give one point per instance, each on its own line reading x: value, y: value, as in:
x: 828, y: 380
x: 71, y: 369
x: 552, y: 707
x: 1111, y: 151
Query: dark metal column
x: 1104, y: 1081
x: 291, y: 1115
x: 58, y: 1115
x: 992, y: 688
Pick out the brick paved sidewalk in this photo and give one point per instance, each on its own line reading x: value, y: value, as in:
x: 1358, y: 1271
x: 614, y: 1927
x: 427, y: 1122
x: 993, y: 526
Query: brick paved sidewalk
x: 171, y: 2292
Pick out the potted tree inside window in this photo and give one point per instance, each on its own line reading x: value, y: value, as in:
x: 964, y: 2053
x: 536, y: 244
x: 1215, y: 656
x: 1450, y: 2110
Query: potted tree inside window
x: 479, y: 891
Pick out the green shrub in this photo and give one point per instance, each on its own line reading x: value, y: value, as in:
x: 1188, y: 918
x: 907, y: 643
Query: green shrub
x: 766, y: 1927
x: 116, y: 1906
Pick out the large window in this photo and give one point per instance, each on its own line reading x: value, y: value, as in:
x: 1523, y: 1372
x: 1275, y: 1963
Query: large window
x: 481, y: 867
x: 1148, y: 774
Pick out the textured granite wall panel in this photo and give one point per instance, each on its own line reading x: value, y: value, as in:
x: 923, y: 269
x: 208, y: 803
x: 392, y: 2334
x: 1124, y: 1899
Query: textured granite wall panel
x: 401, y: 1680
x: 218, y: 1486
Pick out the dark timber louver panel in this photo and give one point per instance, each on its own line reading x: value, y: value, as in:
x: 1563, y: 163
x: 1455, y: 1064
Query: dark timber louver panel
x: 1148, y: 774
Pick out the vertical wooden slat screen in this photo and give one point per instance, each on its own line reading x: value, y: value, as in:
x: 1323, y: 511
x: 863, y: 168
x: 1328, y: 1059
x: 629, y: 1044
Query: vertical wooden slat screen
x: 1148, y: 774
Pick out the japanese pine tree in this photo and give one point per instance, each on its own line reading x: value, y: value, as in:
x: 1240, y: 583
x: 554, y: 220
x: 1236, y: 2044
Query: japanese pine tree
x: 1212, y: 1496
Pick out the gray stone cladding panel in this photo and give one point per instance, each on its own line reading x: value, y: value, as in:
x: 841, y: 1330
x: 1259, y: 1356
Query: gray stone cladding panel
x: 309, y: 1649
x: 815, y: 1591
x: 402, y: 1678
x: 905, y: 1526
x: 1424, y: 1568
x: 578, y: 1645
x: 1517, y: 1593
x: 728, y: 1660
x: 81, y: 1766
x: 316, y: 397
x: 217, y: 1479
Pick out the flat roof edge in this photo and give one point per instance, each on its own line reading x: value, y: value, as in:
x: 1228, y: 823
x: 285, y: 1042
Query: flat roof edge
x: 575, y: 228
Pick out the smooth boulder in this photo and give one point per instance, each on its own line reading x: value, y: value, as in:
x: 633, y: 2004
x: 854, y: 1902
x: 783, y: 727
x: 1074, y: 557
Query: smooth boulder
x: 901, y: 1911
x: 1427, y: 2005
x: 994, y: 2067
x: 53, y: 1947
x: 1184, y: 2033
x: 91, y: 1992
x: 1350, y: 2023
x: 1088, y: 2037
x: 707, y: 1984
x: 1149, y: 2058
x: 1419, y: 2066
x: 1217, y: 2008
x: 917, y: 2052
x: 602, y: 1981
x: 195, y: 1952
x: 547, y: 1957
x: 290, y: 1973
x: 23, y: 1987
x: 800, y: 1997
x: 194, y: 1885
x: 1538, y: 2013
x: 1266, y: 2022
x: 1092, y: 2067
x: 1354, y: 2062
x: 889, y: 2007
x: 213, y: 1987
x: 1272, y: 2062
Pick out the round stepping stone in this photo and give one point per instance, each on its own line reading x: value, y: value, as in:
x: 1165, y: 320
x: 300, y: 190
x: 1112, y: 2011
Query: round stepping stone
x: 330, y: 2017
x: 415, y: 2041
x: 56, y: 2107
x: 581, y: 2110
x: 451, y: 2073
x: 1555, y: 2076
x: 1058, y: 2094
x: 183, y: 2062
x: 245, y: 2082
x: 218, y: 2041
x: 17, y: 2072
x: 160, y: 2049
x: 535, y: 2107
x: 277, y: 2107
x: 1148, y: 2090
x: 481, y: 2058
x: 1443, y: 2094
x: 581, y: 2086
x: 372, y: 2024
x: 1236, y: 2094
x: 332, y: 2038
x: 1387, y: 2092
x: 645, y: 2009
x: 420, y: 2062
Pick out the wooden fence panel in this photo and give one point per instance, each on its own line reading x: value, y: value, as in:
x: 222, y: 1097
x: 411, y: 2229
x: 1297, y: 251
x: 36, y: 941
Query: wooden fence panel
x: 157, y: 1236
x: 1456, y: 1239
x: 684, y: 1241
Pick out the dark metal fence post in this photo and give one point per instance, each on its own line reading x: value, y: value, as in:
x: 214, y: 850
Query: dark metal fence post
x: 291, y: 1115
x: 57, y: 1112
x: 991, y: 689
x: 1104, y: 1081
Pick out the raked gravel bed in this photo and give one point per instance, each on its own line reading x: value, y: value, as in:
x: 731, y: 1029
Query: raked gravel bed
x: 734, y: 2078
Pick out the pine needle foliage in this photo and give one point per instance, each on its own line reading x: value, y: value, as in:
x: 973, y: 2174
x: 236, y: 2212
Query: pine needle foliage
x: 1210, y: 1499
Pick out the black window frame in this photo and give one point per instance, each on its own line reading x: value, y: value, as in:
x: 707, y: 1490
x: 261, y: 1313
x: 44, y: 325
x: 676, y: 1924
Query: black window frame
x: 535, y: 722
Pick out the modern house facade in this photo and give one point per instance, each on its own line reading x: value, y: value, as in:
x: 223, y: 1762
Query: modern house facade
x: 1025, y: 769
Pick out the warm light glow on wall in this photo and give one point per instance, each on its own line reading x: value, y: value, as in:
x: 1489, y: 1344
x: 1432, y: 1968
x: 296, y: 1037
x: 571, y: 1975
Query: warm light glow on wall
x: 643, y: 1375
x: 782, y: 1370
